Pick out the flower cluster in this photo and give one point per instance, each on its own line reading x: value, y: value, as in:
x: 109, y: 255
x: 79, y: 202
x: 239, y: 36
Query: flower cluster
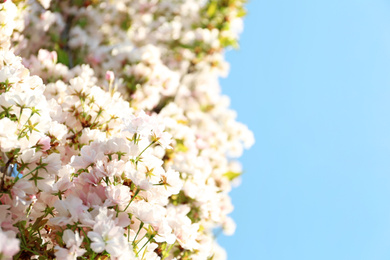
x: 115, y: 140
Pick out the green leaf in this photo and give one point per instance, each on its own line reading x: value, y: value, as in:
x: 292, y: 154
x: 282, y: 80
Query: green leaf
x: 62, y: 55
x: 232, y: 175
x: 180, y: 147
x: 211, y: 10
x: 82, y: 22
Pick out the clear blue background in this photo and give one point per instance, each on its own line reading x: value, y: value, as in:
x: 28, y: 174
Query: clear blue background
x: 312, y: 80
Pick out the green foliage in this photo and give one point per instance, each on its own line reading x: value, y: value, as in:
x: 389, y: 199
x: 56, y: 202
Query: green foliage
x: 180, y: 147
x: 31, y: 243
x: 216, y: 14
x: 232, y: 175
x: 62, y: 55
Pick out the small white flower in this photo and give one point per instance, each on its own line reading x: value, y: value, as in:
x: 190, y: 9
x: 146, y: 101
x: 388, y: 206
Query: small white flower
x: 73, y: 242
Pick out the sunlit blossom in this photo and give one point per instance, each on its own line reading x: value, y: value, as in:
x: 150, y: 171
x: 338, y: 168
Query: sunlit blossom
x: 115, y: 139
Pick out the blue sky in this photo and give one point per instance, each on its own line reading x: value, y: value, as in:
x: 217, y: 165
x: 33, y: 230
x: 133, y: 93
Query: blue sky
x: 312, y: 80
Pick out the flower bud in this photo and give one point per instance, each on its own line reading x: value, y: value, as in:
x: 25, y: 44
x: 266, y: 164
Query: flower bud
x: 110, y: 76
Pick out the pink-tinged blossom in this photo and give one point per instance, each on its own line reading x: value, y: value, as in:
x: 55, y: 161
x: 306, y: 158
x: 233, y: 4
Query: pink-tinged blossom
x: 50, y: 56
x: 29, y: 156
x: 107, y: 236
x: 229, y: 226
x: 68, y: 210
x: 149, y: 251
x: 171, y: 182
x: 147, y: 212
x: 117, y: 195
x: 88, y: 156
x: 64, y: 183
x: 73, y: 242
x: 156, y: 147
x: 9, y: 245
x: 163, y: 138
x: 185, y: 232
x: 6, y: 222
x: 91, y: 194
x: 44, y: 143
x: 141, y: 124
x: 164, y: 232
x: 138, y: 177
x: 22, y: 192
x: 104, y: 168
x: 53, y: 163
x: 187, y: 236
x: 45, y: 3
x: 110, y: 76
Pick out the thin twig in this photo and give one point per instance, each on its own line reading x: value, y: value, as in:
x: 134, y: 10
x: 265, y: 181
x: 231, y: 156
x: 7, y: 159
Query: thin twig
x: 5, y: 172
